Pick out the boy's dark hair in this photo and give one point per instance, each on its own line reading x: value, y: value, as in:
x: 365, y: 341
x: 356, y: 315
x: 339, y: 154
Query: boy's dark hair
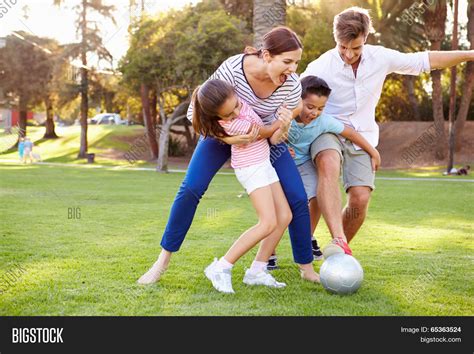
x: 314, y: 85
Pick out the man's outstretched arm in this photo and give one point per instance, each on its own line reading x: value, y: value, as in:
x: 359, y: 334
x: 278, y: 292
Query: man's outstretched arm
x: 446, y: 59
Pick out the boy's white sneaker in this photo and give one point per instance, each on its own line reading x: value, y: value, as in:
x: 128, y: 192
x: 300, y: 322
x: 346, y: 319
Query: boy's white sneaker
x: 262, y: 278
x: 221, y: 279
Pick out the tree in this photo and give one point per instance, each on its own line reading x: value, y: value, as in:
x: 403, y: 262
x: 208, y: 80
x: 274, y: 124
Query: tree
x: 435, y: 19
x: 242, y: 9
x: 167, y: 54
x: 267, y: 14
x: 90, y: 42
x: 18, y: 59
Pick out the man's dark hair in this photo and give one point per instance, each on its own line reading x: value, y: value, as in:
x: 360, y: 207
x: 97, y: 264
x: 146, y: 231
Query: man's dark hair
x: 314, y: 85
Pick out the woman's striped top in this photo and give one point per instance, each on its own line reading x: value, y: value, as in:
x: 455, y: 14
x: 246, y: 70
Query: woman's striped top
x: 232, y: 71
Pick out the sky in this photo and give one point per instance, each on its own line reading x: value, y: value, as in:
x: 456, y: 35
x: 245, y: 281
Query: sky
x: 41, y: 18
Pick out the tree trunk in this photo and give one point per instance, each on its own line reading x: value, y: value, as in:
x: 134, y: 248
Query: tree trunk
x: 267, y: 14
x: 452, y: 93
x: 409, y: 82
x: 468, y: 85
x: 147, y: 121
x: 190, y: 137
x: 109, y: 101
x: 435, y: 23
x: 153, y: 103
x: 178, y: 114
x: 23, y: 113
x: 84, y: 85
x: 162, y: 165
x: 49, y: 124
x: 438, y: 115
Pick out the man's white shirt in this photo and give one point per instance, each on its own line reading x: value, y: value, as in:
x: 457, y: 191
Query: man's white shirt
x: 353, y: 99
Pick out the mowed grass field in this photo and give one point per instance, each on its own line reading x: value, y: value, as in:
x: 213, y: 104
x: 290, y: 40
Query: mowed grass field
x: 84, y: 236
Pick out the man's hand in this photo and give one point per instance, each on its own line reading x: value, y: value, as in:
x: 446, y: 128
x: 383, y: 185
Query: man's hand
x: 376, y: 160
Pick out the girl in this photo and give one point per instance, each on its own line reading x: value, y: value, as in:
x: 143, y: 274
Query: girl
x: 218, y: 112
x: 266, y: 80
x: 21, y: 148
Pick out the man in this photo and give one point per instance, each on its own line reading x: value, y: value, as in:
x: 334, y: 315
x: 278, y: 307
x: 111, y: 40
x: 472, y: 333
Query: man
x: 355, y: 72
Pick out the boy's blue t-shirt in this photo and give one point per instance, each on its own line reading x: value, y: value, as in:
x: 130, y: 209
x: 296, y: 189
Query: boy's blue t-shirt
x: 301, y: 136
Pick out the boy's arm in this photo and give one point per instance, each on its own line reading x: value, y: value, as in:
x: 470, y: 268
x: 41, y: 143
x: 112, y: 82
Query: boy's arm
x: 356, y: 138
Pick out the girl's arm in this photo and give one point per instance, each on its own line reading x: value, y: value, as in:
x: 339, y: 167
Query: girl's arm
x: 248, y: 138
x: 359, y: 140
x: 277, y: 132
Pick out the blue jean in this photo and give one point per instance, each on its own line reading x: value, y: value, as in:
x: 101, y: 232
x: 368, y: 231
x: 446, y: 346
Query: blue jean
x: 209, y: 156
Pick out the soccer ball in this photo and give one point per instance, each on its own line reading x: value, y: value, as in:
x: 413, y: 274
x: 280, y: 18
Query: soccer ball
x: 341, y: 274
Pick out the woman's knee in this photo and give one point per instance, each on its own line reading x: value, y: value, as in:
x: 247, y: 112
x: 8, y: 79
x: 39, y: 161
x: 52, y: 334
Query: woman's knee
x: 194, y: 188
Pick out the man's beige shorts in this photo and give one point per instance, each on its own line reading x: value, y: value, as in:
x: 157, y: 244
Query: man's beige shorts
x: 356, y: 164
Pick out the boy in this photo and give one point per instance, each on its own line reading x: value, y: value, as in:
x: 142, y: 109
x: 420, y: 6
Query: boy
x: 309, y: 125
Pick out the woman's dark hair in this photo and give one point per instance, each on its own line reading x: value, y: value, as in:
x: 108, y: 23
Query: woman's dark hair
x: 206, y: 100
x: 279, y: 40
x: 314, y: 85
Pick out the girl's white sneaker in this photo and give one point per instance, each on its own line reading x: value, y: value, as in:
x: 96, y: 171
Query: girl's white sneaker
x: 262, y: 278
x: 221, y: 279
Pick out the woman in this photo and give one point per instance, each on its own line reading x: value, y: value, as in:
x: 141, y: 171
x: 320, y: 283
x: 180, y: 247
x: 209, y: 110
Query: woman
x: 266, y: 80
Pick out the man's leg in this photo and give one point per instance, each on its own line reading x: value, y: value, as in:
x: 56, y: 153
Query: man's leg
x: 326, y: 152
x: 359, y: 181
x: 314, y: 214
x: 354, y: 212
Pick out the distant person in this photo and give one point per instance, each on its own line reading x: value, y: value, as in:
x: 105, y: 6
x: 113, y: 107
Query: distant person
x: 28, y: 150
x: 464, y: 170
x: 21, y: 148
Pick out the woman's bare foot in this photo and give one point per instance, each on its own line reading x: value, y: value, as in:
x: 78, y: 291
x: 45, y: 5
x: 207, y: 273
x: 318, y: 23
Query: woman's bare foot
x: 157, y: 269
x: 308, y: 273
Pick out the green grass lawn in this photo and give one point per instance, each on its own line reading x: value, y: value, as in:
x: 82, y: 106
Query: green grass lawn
x: 416, y: 248
x: 101, y: 139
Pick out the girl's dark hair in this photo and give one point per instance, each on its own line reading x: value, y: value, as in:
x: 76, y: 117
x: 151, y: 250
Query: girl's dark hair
x: 314, y: 85
x: 279, y: 40
x: 206, y: 100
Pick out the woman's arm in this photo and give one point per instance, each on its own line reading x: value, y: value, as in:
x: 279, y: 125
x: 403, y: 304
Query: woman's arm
x: 267, y: 130
x: 359, y: 140
x: 280, y: 135
x: 285, y: 116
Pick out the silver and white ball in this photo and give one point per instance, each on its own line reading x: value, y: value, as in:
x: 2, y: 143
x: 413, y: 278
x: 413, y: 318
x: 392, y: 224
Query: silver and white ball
x: 341, y: 274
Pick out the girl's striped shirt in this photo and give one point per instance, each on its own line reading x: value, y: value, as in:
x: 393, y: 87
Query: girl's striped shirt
x: 250, y: 154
